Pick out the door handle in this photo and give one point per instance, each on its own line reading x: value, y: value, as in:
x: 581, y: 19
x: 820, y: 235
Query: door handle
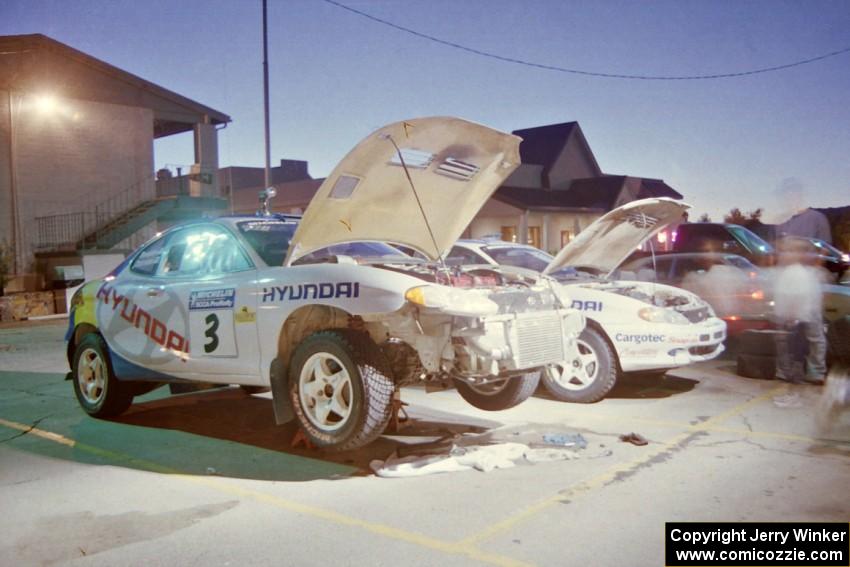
x: 153, y: 292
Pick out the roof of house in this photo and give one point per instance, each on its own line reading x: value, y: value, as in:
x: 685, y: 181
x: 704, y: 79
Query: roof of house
x: 591, y: 193
x: 656, y: 188
x: 36, y: 62
x: 543, y: 145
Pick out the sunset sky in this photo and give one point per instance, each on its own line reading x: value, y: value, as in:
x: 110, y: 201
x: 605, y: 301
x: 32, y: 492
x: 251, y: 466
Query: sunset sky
x: 336, y: 76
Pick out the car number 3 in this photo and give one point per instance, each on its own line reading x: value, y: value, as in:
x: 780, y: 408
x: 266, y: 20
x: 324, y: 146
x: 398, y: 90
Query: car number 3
x: 210, y: 333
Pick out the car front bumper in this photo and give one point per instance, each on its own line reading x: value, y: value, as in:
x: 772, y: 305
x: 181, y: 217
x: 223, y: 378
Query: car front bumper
x: 667, y: 346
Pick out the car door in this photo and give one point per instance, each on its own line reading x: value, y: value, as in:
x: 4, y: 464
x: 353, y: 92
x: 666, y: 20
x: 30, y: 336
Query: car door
x: 186, y: 308
x: 209, y: 277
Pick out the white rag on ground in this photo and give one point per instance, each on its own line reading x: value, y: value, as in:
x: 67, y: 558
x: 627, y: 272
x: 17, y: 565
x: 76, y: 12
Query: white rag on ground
x: 483, y: 458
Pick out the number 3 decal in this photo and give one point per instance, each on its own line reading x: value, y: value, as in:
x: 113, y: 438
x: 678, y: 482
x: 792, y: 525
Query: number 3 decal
x: 210, y: 333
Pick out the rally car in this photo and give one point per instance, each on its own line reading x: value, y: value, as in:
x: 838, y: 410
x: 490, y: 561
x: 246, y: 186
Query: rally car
x: 248, y: 300
x: 631, y: 325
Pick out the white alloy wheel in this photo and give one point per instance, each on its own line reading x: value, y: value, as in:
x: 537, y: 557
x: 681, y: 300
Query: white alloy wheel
x: 589, y: 375
x: 325, y: 389
x: 579, y: 373
x: 92, y: 375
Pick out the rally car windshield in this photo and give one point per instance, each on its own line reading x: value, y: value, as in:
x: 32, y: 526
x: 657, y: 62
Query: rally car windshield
x: 360, y: 250
x: 269, y: 238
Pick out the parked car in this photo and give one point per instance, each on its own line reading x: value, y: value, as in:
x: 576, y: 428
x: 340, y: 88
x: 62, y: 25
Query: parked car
x: 229, y: 301
x: 631, y: 325
x: 731, y: 284
x: 825, y: 255
x: 724, y: 238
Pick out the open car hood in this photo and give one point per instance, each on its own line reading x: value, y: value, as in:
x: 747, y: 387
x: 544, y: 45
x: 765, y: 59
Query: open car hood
x: 454, y: 165
x: 609, y: 240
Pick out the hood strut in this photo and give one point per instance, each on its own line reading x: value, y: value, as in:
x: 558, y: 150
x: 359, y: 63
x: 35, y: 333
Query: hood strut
x: 421, y: 209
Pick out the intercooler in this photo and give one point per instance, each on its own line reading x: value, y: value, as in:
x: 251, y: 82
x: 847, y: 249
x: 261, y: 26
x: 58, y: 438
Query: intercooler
x: 539, y: 339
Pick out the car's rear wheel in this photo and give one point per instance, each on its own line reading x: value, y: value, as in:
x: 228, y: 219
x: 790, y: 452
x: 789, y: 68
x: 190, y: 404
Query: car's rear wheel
x: 98, y: 391
x: 500, y: 394
x: 589, y: 377
x: 341, y: 389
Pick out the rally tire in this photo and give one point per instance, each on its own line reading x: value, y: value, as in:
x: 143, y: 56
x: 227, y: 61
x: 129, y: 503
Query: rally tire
x: 340, y: 388
x: 501, y: 395
x: 98, y: 391
x: 592, y: 376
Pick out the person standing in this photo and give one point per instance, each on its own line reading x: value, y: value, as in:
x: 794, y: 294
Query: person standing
x: 798, y: 309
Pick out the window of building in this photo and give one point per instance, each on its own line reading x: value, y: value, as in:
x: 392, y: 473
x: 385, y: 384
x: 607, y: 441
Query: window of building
x: 534, y: 236
x: 509, y: 233
x: 566, y: 237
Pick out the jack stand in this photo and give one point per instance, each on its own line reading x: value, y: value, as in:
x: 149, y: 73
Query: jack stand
x: 399, y: 417
x: 301, y: 439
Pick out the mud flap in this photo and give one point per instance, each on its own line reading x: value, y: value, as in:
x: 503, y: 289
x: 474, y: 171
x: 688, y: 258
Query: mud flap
x: 283, y: 412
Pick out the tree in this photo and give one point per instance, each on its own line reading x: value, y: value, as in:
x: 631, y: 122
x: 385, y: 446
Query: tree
x: 704, y: 218
x: 735, y: 216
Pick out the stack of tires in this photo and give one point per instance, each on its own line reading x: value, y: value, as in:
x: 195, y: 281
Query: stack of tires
x: 757, y: 349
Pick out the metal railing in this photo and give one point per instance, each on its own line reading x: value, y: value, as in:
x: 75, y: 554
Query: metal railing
x: 65, y: 230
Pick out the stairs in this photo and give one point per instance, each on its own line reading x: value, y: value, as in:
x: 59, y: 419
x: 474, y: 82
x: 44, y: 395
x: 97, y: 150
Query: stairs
x: 174, y: 209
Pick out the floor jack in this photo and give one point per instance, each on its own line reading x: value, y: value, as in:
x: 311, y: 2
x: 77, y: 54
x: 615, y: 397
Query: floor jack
x: 399, y: 417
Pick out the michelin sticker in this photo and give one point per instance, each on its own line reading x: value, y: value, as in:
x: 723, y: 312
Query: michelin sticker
x: 211, y: 322
x: 212, y: 299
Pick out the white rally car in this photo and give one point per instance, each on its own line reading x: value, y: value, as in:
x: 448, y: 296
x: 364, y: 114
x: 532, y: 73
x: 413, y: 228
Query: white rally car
x: 631, y: 325
x: 247, y: 300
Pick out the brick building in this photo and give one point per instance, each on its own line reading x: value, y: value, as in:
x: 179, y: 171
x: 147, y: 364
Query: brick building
x: 77, y: 150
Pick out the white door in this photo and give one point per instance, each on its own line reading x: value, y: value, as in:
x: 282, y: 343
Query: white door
x: 189, y: 308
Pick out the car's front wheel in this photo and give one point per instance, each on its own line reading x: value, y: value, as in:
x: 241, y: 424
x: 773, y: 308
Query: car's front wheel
x: 341, y: 389
x: 97, y: 389
x: 499, y: 394
x: 587, y: 378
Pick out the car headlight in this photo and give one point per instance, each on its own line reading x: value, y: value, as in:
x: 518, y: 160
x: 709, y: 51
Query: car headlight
x: 662, y: 315
x: 451, y: 300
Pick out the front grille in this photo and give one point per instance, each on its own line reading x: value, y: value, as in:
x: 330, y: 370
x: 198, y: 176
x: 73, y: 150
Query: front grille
x: 539, y: 339
x: 702, y: 350
x: 696, y: 315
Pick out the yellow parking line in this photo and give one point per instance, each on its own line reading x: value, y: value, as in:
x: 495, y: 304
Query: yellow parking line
x: 454, y: 548
x: 613, y: 473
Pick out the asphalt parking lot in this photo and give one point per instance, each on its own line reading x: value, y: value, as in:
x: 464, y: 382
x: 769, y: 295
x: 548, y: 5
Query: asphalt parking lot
x: 208, y: 479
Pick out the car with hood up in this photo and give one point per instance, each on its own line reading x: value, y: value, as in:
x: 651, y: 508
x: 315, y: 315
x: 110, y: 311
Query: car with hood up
x: 631, y: 325
x: 283, y: 302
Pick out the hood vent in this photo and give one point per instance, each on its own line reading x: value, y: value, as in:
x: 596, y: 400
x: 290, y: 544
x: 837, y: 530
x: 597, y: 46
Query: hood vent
x: 457, y: 169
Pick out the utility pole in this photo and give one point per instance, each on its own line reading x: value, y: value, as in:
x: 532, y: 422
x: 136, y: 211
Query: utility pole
x: 13, y: 181
x: 266, y: 92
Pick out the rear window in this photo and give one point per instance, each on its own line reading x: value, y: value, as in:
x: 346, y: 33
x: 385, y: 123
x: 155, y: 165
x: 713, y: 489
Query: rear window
x: 270, y: 238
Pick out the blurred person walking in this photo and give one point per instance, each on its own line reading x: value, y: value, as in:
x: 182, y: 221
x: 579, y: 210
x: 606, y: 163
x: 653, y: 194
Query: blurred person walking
x: 798, y: 309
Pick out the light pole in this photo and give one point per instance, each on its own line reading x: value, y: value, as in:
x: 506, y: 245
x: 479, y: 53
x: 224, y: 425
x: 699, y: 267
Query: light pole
x: 266, y: 93
x: 13, y: 185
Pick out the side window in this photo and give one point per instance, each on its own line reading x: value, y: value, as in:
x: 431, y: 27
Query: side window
x: 461, y: 256
x: 201, y: 251
x: 147, y: 261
